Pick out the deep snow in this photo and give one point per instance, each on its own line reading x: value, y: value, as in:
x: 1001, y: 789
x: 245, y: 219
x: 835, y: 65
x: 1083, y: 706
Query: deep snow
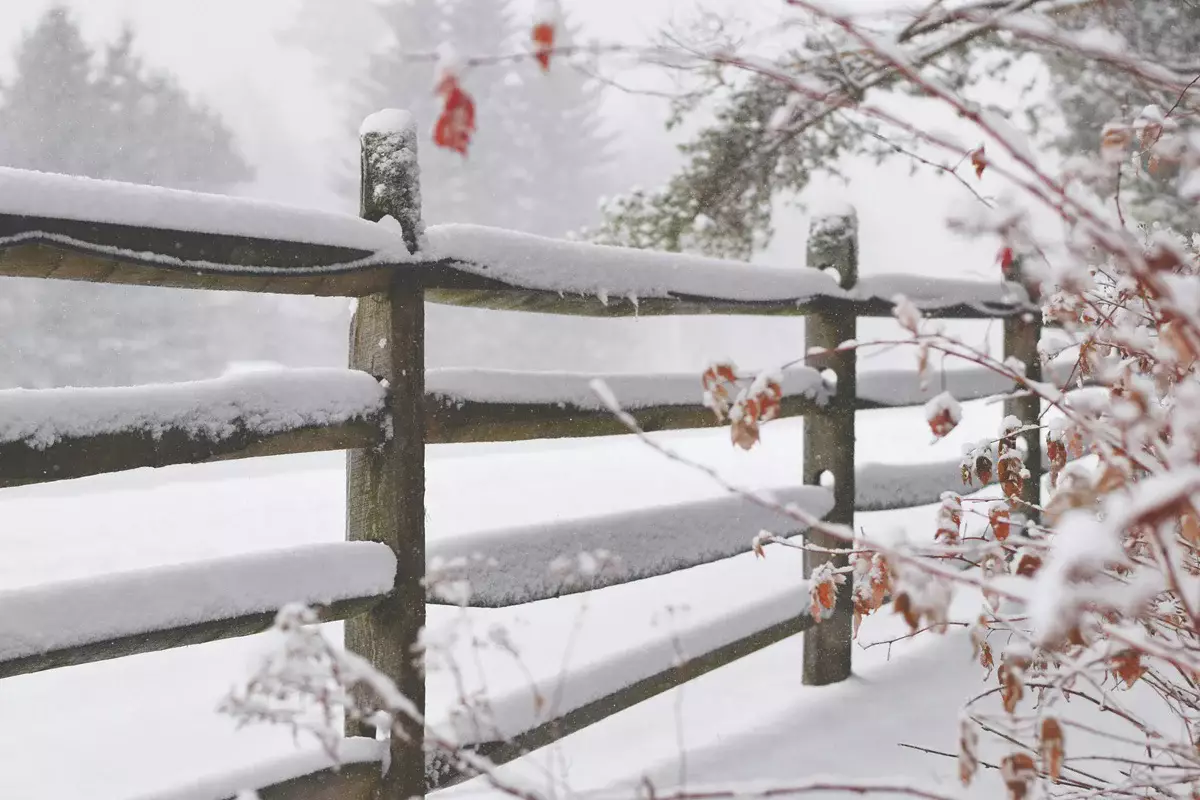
x: 149, y: 518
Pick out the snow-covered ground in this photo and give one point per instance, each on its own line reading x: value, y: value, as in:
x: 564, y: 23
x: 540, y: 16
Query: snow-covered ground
x: 144, y: 725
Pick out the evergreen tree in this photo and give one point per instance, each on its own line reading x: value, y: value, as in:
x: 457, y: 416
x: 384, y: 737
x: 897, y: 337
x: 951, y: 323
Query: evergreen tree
x: 453, y: 189
x: 1088, y: 95
x: 537, y: 164
x: 537, y: 161
x: 159, y: 135
x: 721, y: 201
x: 110, y: 117
x: 565, y: 148
x: 51, y: 111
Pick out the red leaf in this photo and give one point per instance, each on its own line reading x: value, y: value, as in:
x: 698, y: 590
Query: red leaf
x: 456, y: 123
x: 1006, y: 260
x: 543, y: 43
x: 979, y: 162
x: 1052, y: 748
x: 1000, y: 520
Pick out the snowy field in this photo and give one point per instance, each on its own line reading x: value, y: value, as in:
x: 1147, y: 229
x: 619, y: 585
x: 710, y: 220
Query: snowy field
x: 145, y: 726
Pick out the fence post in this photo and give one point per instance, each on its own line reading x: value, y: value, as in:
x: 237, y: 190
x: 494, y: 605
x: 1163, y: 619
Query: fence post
x: 385, y: 486
x: 829, y: 439
x: 1021, y: 336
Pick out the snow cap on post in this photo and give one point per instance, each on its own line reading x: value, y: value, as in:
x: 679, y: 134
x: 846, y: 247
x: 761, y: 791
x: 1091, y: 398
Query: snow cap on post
x: 833, y: 243
x: 391, y: 178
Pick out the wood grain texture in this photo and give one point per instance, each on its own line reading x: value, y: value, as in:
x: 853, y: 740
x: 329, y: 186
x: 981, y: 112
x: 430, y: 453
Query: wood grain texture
x: 385, y: 485
x: 829, y: 445
x: 359, y: 781
x: 80, y: 457
x: 1021, y: 336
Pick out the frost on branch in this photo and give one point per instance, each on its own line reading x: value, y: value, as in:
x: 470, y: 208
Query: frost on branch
x: 307, y: 683
x: 1076, y: 578
x: 907, y: 314
x: 922, y: 600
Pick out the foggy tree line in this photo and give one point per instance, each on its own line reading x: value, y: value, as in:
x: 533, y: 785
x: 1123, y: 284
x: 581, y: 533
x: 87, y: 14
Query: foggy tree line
x: 101, y: 111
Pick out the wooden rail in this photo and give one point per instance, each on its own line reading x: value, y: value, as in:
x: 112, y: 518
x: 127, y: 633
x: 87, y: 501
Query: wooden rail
x: 177, y: 636
x: 111, y: 233
x: 80, y: 621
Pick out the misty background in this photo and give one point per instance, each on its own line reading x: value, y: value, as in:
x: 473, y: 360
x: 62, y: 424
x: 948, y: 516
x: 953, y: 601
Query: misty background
x: 264, y: 100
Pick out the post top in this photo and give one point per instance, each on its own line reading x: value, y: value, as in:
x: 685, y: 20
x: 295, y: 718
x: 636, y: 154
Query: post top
x: 389, y: 120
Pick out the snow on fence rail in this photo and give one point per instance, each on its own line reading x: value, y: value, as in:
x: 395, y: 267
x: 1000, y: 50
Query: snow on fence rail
x: 60, y: 434
x: 386, y: 408
x: 75, y: 622
x: 57, y: 434
x: 516, y: 565
x: 73, y: 228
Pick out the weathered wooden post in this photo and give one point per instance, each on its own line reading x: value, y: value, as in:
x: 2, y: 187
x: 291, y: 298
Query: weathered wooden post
x: 1022, y: 332
x: 829, y: 439
x: 385, y: 486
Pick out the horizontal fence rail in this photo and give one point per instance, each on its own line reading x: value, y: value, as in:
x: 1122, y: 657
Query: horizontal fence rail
x: 512, y: 566
x: 58, y: 434
x: 95, y: 619
x: 62, y: 434
x: 153, y: 236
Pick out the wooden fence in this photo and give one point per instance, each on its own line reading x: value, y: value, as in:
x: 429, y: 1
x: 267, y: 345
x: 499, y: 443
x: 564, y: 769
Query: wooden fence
x: 65, y: 228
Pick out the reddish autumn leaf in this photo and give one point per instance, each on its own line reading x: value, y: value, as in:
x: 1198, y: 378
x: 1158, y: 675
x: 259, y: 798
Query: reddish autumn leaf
x: 968, y: 745
x: 543, y: 43
x: 718, y: 382
x: 824, y: 598
x: 979, y: 161
x: 759, y: 403
x: 1000, y: 520
x: 1012, y: 689
x: 1018, y: 773
x: 903, y: 606
x: 1027, y: 564
x: 1006, y: 259
x: 1115, y: 140
x: 949, y: 519
x: 456, y: 124
x: 1127, y: 665
x: 1056, y: 453
x: 983, y: 468
x: 1011, y: 473
x: 986, y: 659
x: 941, y: 423
x: 1052, y: 748
x: 822, y: 591
x: 943, y: 413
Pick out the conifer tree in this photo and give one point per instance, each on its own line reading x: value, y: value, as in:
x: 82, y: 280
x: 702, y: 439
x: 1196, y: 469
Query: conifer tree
x: 108, y: 116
